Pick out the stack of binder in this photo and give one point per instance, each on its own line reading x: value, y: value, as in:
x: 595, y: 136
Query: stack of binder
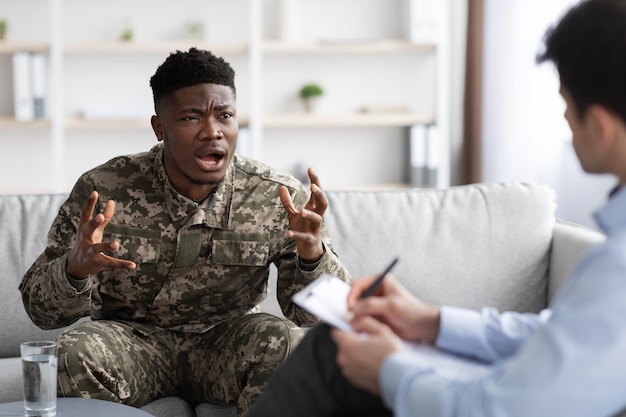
x: 29, y: 85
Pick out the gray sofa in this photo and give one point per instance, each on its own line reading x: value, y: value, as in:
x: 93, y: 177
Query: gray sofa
x: 470, y: 246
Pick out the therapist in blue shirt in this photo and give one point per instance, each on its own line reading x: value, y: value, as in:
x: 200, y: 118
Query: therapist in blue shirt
x: 569, y: 360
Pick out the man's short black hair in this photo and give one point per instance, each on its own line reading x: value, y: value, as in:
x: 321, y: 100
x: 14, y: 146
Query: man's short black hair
x: 186, y: 69
x: 588, y: 48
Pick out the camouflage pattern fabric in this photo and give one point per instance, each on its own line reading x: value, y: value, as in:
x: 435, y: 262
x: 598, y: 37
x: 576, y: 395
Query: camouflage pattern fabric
x: 228, y: 364
x: 198, y: 264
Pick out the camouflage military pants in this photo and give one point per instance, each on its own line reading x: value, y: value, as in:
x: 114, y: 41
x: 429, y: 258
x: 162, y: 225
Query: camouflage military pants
x: 229, y: 364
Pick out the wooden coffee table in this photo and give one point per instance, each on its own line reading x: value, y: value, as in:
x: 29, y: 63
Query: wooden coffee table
x: 78, y: 407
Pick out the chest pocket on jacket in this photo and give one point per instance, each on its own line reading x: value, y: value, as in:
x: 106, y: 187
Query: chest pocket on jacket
x: 247, y: 249
x: 138, y: 245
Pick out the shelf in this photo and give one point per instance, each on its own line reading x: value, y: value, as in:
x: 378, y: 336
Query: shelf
x: 78, y: 123
x: 13, y: 47
x: 10, y: 122
x: 346, y: 120
x: 270, y: 121
x: 82, y: 123
x: 366, y: 47
x: 270, y: 47
x: 124, y: 47
x: 151, y: 48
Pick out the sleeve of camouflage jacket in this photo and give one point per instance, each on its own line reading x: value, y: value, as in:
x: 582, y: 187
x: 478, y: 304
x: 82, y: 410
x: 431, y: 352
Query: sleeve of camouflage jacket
x: 49, y: 298
x: 292, y: 277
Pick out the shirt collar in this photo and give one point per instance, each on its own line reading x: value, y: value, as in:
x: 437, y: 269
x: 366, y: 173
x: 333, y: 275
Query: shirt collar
x: 613, y: 214
x: 180, y: 208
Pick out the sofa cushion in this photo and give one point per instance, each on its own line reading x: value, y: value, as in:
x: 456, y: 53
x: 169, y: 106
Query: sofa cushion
x: 11, y: 388
x: 25, y: 221
x: 213, y: 410
x: 169, y: 406
x: 468, y: 246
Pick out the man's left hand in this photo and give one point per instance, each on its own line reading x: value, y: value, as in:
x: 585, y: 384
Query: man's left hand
x: 305, y: 224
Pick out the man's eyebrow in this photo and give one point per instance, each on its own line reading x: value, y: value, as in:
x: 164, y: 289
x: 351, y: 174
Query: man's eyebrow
x: 202, y: 110
x: 223, y: 106
x: 194, y: 110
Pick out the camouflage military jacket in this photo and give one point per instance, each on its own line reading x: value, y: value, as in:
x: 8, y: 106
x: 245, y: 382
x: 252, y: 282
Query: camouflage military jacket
x: 196, y: 264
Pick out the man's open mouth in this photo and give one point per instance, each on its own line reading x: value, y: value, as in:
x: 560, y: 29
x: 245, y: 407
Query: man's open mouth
x: 210, y: 159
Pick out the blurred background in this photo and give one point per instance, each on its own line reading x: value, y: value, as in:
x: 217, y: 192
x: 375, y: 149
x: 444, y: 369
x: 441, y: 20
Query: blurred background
x: 414, y: 93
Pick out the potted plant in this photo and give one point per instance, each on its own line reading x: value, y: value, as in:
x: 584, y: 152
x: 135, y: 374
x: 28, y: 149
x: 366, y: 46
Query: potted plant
x: 126, y: 35
x: 309, y: 93
x: 3, y: 29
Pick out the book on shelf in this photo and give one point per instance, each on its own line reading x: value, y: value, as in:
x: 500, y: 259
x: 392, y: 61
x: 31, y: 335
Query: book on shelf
x: 38, y: 73
x: 22, y: 87
x: 422, y: 21
x: 29, y: 85
x: 423, y: 155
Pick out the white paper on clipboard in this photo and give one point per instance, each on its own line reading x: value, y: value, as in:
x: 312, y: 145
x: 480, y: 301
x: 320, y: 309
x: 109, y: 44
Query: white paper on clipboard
x: 327, y: 298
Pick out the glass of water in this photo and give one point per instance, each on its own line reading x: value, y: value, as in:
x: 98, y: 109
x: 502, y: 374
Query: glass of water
x: 39, y: 369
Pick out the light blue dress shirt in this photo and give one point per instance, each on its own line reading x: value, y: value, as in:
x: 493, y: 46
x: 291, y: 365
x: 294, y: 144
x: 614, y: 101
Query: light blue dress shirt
x: 570, y: 361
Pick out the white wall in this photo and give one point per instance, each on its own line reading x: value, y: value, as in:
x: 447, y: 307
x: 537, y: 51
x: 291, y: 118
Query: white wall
x: 458, y: 39
x: 109, y: 85
x: 525, y: 135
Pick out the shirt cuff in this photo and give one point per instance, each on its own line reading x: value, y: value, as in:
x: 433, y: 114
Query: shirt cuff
x: 458, y: 330
x: 393, y: 371
x: 71, y: 286
x: 310, y: 266
x: 78, y: 284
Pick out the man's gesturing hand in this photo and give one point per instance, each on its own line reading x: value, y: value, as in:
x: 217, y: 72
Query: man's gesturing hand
x: 305, y: 224
x: 88, y: 254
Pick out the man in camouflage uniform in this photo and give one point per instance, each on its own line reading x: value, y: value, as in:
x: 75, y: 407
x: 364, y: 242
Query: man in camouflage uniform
x: 168, y: 252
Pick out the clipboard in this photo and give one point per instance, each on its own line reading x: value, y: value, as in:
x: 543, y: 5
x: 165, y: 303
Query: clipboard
x: 327, y: 298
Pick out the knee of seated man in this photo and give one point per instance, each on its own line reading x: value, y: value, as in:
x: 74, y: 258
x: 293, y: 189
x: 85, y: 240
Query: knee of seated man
x: 80, y: 345
x: 275, y: 337
x: 84, y: 355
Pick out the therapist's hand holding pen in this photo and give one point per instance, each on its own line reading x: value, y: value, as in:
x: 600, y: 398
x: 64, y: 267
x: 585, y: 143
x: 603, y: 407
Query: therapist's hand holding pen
x: 392, y: 304
x: 387, y: 316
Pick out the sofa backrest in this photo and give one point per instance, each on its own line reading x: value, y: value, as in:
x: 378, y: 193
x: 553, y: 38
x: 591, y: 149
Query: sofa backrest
x: 469, y: 246
x: 24, y: 224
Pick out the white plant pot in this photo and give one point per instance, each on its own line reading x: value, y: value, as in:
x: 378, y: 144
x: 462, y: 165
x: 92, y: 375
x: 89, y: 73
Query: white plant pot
x: 311, y: 104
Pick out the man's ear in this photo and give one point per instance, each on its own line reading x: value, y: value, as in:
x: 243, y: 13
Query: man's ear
x: 604, y: 123
x: 157, y: 127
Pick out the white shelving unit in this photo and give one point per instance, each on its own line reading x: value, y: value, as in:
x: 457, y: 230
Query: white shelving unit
x: 99, y: 103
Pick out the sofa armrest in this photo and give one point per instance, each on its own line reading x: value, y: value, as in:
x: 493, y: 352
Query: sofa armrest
x: 570, y: 242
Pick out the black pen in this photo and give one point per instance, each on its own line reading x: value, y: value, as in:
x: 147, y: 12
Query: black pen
x: 379, y: 280
x: 369, y: 291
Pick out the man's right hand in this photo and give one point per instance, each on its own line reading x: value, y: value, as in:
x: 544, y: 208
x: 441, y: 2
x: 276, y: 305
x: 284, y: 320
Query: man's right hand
x: 88, y: 254
x: 409, y: 317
